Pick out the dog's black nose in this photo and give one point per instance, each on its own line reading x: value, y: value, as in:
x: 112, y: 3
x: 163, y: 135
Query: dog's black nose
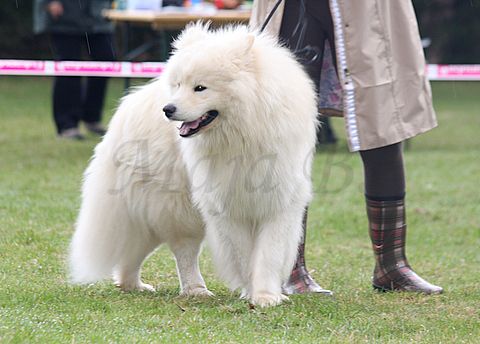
x: 169, y: 110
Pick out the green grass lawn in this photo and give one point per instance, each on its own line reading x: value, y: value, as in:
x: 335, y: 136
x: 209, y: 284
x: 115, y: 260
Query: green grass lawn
x: 40, y: 179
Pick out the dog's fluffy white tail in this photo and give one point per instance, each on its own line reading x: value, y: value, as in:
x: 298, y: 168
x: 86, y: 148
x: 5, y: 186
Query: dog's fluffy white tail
x: 99, y: 233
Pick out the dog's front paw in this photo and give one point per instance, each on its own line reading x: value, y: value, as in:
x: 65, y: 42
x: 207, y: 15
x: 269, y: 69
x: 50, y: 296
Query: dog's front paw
x: 266, y: 299
x: 244, y: 295
x: 138, y: 286
x: 197, y: 292
x: 145, y: 287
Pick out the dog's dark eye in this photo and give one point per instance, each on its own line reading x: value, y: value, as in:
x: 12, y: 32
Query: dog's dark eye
x: 199, y: 88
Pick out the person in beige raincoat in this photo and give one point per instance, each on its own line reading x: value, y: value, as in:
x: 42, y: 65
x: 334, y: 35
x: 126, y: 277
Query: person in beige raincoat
x: 370, y: 69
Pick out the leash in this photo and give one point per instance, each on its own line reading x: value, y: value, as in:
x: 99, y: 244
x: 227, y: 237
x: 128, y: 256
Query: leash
x: 270, y: 15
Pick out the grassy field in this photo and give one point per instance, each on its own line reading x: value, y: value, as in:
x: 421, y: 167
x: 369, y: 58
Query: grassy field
x: 40, y: 178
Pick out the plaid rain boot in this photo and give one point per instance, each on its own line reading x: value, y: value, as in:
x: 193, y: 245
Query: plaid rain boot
x: 300, y: 281
x: 388, y: 231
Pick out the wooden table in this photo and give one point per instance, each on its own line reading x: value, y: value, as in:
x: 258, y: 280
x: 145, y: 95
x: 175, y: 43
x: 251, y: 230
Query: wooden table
x: 176, y: 19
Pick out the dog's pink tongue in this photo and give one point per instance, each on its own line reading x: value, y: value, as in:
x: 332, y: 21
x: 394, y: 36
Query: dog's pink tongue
x: 187, y: 126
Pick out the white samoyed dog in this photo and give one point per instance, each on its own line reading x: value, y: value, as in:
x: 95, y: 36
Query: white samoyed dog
x: 237, y: 168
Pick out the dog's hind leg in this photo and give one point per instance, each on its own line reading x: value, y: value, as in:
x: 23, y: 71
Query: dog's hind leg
x: 187, y: 251
x: 134, y: 251
x: 273, y: 257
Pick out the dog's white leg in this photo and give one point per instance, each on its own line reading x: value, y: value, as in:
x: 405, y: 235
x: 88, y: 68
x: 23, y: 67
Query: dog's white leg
x: 231, y: 245
x: 186, y: 251
x: 134, y: 252
x: 273, y: 257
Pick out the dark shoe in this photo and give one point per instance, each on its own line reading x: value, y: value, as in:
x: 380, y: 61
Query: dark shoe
x: 71, y: 134
x: 95, y: 128
x: 325, y: 133
x: 388, y: 234
x: 300, y: 281
x: 327, y: 138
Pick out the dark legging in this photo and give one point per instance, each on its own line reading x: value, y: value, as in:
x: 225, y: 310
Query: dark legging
x: 384, y: 173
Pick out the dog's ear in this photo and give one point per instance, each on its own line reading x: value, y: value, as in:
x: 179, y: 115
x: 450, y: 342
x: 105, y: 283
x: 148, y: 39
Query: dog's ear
x: 242, y: 48
x: 191, y: 34
x: 242, y: 56
x: 248, y: 44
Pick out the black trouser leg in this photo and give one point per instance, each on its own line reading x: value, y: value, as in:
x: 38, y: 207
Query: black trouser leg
x: 101, y: 48
x: 67, y: 101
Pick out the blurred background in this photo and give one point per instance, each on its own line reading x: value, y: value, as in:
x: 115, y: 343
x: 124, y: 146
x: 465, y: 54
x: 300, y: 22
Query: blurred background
x: 451, y: 26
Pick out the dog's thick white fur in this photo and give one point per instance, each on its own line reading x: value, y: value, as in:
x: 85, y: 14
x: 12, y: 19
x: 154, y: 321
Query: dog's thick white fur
x: 243, y: 179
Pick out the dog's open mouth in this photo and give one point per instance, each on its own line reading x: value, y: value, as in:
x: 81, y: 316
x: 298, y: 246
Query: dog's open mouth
x: 189, y: 128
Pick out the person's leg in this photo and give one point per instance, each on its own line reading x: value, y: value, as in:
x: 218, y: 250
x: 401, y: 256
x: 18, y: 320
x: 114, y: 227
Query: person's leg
x: 385, y: 199
x: 300, y: 280
x: 67, y: 102
x: 384, y: 172
x: 101, y: 48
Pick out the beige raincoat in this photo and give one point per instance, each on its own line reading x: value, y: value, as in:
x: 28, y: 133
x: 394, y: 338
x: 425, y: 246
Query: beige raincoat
x: 384, y: 92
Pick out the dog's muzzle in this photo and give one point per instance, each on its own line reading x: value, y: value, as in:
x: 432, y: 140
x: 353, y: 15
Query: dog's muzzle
x: 190, y: 128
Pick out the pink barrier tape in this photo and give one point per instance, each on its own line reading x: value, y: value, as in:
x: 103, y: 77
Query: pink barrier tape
x: 82, y: 68
x: 21, y: 67
x: 154, y: 69
x: 92, y: 69
x: 454, y: 72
